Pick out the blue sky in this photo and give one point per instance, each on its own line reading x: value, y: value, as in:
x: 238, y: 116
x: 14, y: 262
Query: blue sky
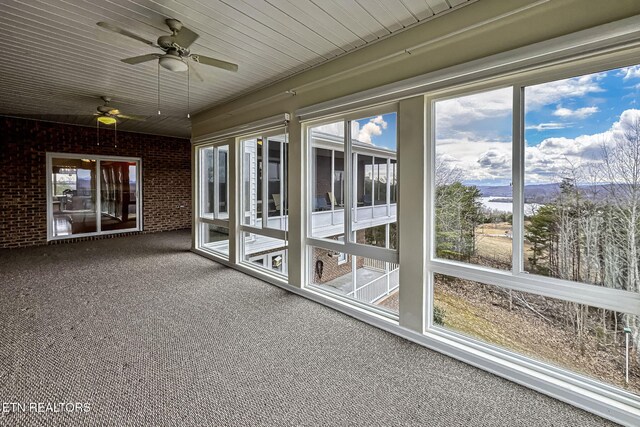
x: 381, y: 130
x: 566, y: 124
x: 585, y: 114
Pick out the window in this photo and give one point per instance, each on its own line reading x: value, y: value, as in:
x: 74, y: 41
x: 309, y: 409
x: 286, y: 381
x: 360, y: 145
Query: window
x: 581, y: 181
x: 264, y: 201
x: 547, y: 247
x: 213, y: 195
x: 473, y: 199
x: 264, y: 176
x: 573, y: 336
x: 363, y: 265
x: 81, y: 186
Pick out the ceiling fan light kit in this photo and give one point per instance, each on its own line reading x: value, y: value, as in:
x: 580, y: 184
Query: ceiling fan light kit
x: 106, y: 120
x: 173, y: 63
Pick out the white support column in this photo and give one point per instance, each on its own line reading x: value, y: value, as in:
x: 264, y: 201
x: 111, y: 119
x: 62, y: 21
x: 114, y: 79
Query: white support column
x: 297, y: 204
x: 412, y: 202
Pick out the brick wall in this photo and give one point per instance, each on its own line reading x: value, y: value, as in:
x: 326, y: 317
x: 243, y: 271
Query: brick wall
x: 166, y: 175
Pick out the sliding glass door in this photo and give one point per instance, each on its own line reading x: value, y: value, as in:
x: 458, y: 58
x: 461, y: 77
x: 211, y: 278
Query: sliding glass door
x: 81, y: 186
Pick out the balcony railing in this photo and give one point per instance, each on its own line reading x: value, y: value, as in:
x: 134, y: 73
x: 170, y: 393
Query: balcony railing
x: 331, y: 222
x: 379, y: 287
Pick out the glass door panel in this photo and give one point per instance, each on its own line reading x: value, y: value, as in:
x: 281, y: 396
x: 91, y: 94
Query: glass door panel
x: 73, y: 196
x: 118, y: 195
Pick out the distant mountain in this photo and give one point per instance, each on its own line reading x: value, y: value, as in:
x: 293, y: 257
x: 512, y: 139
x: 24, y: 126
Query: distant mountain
x: 544, y: 193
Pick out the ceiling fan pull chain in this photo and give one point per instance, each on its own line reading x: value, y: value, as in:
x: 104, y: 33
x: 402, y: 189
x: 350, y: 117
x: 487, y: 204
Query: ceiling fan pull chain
x: 98, y: 131
x: 188, y: 90
x: 115, y: 135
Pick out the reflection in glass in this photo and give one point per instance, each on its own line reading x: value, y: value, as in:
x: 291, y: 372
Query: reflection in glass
x: 214, y: 238
x: 214, y: 182
x: 393, y: 181
x: 276, y: 200
x: 337, y: 198
x: 573, y: 336
x: 223, y: 185
x: 118, y: 202
x: 73, y: 202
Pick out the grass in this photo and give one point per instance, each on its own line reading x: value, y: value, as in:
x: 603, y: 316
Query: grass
x: 476, y: 311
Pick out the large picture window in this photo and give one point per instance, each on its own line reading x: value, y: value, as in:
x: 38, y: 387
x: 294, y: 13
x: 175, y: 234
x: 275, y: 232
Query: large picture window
x: 539, y: 230
x: 90, y: 195
x: 352, y: 189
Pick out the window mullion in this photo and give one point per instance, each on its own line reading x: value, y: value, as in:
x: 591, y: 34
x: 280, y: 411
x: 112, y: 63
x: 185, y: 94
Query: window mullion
x: 216, y: 195
x: 265, y: 183
x: 349, y: 180
x: 517, y: 184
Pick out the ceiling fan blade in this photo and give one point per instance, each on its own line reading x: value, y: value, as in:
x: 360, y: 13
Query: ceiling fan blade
x: 142, y: 58
x: 185, y: 37
x: 193, y: 69
x: 128, y: 117
x: 215, y: 62
x: 124, y: 32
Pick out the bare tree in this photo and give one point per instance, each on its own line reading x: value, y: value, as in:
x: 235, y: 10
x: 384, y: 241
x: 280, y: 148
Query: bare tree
x: 621, y: 164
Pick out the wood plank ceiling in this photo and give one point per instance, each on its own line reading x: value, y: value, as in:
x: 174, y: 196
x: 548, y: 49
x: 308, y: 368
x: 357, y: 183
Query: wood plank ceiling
x: 58, y: 62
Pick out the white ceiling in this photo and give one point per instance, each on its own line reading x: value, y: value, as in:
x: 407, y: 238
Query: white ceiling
x: 58, y: 62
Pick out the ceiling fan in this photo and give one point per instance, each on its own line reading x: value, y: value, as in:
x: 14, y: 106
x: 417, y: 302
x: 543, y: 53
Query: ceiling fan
x: 108, y: 115
x: 175, y: 47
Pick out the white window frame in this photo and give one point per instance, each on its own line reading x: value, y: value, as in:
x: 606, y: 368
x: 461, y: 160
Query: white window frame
x: 346, y: 243
x: 98, y: 158
x: 202, y: 221
x: 517, y: 278
x: 349, y: 246
x: 265, y: 230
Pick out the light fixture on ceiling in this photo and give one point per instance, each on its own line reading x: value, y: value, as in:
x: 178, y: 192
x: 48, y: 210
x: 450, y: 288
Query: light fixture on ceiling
x: 106, y: 120
x: 173, y: 63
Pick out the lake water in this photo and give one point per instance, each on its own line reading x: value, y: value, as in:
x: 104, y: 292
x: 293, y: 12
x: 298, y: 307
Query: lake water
x: 529, y: 208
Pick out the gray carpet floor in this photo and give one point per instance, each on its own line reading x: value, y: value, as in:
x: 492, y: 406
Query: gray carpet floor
x: 148, y: 333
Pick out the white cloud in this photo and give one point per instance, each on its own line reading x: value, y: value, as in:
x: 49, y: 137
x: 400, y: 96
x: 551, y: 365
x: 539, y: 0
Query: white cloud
x: 374, y: 127
x: 549, y: 126
x: 555, y: 157
x: 549, y: 161
x: 579, y: 113
x: 630, y: 72
x: 477, y: 160
x: 457, y: 112
x: 556, y: 91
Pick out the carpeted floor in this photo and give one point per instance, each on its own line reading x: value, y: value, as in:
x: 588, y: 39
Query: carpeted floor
x: 148, y: 333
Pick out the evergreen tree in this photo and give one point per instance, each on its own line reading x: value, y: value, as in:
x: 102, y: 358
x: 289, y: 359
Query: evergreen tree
x: 458, y: 213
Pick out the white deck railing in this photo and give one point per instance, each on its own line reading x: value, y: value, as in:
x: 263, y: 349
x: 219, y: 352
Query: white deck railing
x: 379, y: 287
x: 331, y: 223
